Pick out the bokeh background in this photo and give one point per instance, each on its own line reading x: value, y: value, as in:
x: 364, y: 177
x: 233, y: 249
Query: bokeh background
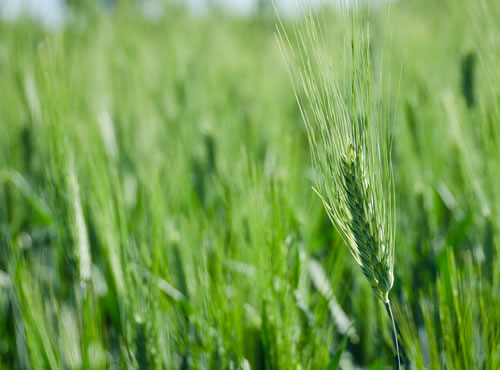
x: 156, y: 208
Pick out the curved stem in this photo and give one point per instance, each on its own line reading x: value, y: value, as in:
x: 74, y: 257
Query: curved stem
x: 394, y: 332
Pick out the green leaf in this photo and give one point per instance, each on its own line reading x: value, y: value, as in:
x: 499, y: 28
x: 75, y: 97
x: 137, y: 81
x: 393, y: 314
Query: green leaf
x: 334, y: 362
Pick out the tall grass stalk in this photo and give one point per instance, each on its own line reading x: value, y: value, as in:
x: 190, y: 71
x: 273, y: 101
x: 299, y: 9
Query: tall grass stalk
x: 349, y: 137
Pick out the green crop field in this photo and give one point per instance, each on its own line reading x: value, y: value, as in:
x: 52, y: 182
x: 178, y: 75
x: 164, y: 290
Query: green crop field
x: 220, y: 192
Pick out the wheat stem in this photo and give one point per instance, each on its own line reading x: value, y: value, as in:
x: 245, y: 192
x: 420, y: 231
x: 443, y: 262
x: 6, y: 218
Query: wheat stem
x: 387, y: 305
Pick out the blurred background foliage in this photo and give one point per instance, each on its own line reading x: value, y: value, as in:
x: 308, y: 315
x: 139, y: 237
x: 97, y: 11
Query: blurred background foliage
x: 156, y: 208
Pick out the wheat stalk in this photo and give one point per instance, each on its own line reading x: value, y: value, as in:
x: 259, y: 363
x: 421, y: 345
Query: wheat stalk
x: 349, y: 138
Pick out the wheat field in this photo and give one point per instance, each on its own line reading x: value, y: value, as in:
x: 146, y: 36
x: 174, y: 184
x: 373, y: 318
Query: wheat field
x: 212, y: 191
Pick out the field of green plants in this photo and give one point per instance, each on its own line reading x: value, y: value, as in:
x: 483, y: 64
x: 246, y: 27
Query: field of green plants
x: 189, y: 192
